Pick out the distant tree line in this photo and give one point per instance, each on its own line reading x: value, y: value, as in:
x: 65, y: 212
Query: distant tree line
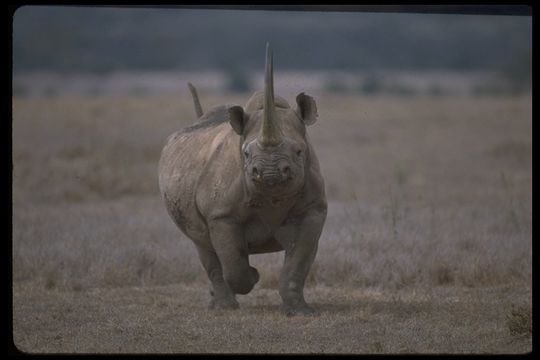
x: 89, y: 39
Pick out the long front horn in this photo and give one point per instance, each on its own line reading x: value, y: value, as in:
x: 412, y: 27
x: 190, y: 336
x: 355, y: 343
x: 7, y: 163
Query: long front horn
x: 270, y: 134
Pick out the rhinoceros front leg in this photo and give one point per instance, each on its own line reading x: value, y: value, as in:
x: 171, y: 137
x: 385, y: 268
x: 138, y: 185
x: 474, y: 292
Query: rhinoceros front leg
x: 228, y: 240
x: 300, y: 238
x: 222, y: 296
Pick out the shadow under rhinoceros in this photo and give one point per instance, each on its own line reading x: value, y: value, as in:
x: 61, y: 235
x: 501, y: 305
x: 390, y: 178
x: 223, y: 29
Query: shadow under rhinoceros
x: 320, y: 308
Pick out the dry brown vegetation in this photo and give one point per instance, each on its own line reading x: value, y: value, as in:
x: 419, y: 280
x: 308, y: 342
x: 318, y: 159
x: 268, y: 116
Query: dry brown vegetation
x: 173, y: 318
x: 427, y: 246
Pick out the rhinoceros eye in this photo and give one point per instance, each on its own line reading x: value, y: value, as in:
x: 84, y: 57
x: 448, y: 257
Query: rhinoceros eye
x: 299, y: 153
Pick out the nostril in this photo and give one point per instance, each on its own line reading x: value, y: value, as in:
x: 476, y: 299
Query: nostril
x: 256, y: 174
x: 286, y: 170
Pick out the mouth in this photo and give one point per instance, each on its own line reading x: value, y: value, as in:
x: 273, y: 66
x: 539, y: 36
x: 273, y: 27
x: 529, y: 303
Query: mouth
x: 270, y: 180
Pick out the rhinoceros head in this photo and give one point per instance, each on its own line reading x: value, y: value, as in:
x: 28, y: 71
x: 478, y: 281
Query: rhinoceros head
x: 274, y: 149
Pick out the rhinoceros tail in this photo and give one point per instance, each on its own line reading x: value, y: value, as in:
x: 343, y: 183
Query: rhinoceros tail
x: 196, y: 102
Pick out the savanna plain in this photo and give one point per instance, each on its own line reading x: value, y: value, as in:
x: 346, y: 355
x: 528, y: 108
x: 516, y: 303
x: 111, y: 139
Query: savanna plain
x: 427, y: 247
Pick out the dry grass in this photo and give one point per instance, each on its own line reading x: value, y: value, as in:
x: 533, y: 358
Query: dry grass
x: 520, y: 321
x: 174, y: 318
x: 426, y: 195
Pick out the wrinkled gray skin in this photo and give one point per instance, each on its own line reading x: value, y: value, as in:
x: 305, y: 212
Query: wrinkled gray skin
x: 245, y: 181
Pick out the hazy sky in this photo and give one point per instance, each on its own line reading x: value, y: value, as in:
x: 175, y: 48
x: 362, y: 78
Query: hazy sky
x: 102, y: 39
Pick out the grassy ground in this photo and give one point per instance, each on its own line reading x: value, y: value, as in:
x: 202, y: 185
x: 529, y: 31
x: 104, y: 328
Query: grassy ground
x: 173, y: 318
x: 427, y: 246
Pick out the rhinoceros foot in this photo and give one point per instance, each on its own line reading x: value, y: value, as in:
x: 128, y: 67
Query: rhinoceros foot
x: 300, y: 309
x: 223, y: 303
x: 241, y: 283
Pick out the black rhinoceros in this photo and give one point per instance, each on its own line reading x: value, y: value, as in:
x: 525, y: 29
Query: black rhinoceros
x: 243, y: 181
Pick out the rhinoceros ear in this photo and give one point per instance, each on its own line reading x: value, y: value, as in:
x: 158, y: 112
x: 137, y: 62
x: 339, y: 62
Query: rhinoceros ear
x: 306, y: 108
x: 237, y: 118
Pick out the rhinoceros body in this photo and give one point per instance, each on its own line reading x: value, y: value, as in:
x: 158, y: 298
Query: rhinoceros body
x: 246, y: 180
